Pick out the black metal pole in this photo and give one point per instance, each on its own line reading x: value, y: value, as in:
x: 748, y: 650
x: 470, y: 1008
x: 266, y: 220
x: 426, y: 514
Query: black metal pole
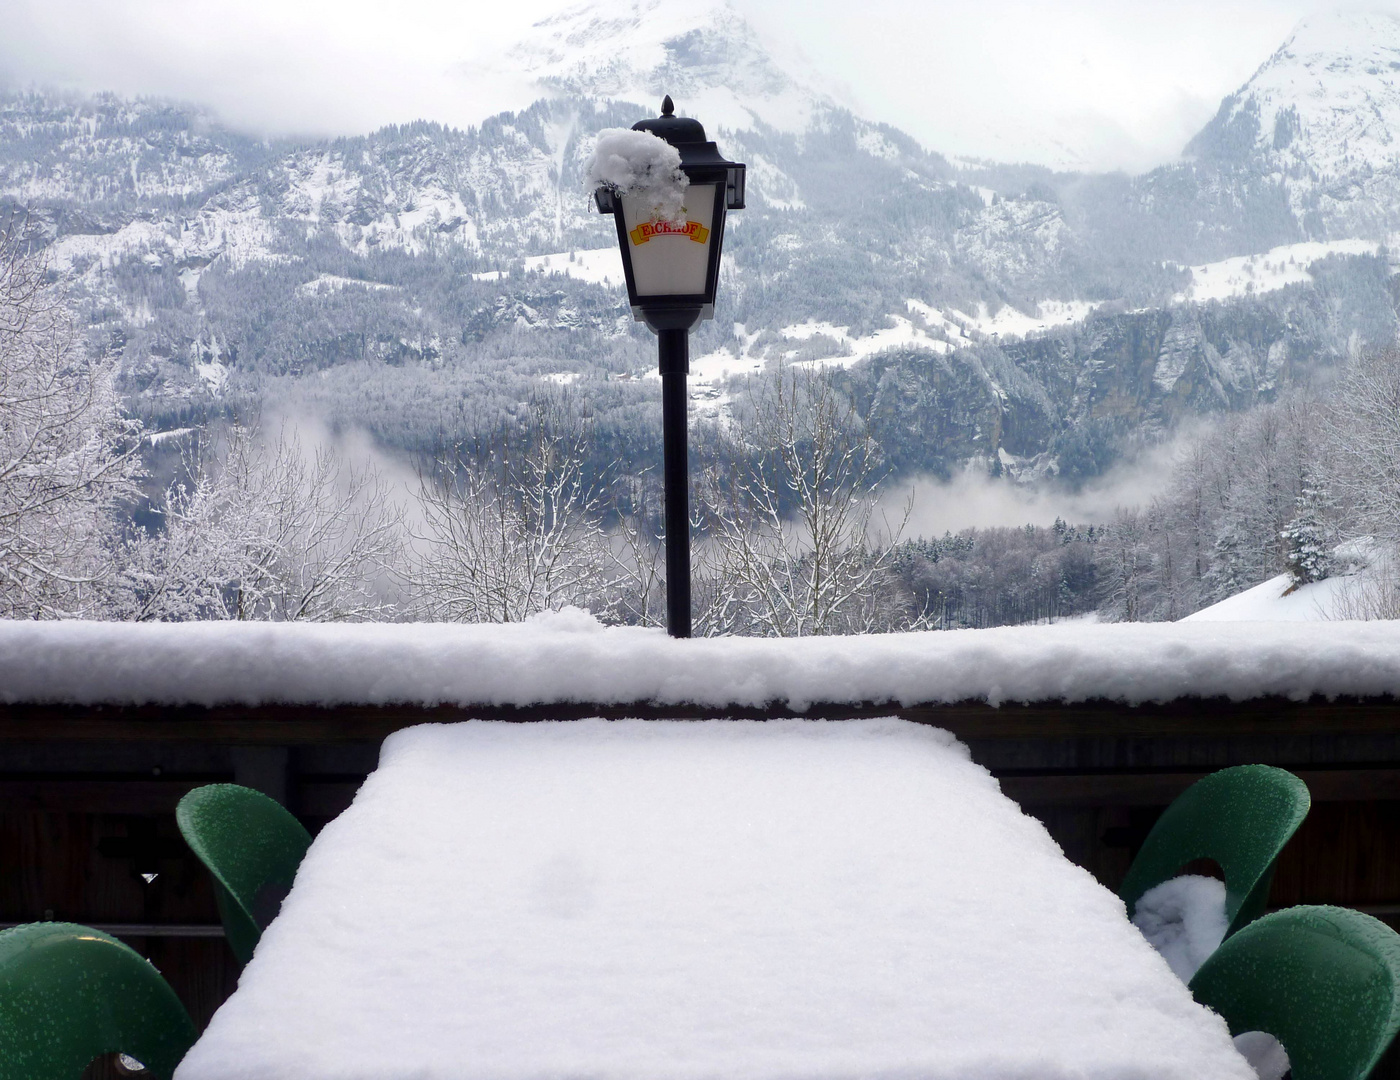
x: 673, y: 348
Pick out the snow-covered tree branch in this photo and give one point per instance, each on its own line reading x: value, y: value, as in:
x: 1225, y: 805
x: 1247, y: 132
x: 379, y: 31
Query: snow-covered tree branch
x: 788, y: 549
x: 68, y: 457
x: 513, y: 526
x: 1363, y: 433
x: 268, y: 531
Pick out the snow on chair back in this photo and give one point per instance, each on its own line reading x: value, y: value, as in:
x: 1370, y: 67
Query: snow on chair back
x: 1241, y: 817
x: 1321, y: 980
x: 69, y: 994
x: 252, y: 846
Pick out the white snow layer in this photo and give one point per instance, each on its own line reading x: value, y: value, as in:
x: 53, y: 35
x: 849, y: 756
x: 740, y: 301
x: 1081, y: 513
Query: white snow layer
x: 1184, y: 920
x: 1265, y: 1054
x: 568, y: 656
x: 1250, y: 275
x: 1328, y: 99
x: 1337, y: 597
x: 597, y: 266
x: 1011, y: 323
x: 642, y: 165
x: 691, y: 900
x: 1271, y: 600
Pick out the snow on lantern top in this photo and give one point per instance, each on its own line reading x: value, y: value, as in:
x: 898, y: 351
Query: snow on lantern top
x: 641, y: 165
x: 668, y: 188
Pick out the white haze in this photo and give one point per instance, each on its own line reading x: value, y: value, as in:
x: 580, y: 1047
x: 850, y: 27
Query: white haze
x: 970, y: 500
x: 1096, y: 83
x: 354, y: 448
x: 973, y: 500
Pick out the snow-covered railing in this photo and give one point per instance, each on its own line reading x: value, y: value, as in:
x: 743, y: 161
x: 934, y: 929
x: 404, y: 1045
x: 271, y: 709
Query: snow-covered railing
x: 569, y: 658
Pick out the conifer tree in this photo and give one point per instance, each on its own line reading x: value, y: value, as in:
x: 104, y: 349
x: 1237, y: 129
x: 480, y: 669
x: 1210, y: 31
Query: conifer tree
x: 1307, y: 540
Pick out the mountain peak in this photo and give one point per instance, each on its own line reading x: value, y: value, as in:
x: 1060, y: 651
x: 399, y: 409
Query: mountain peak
x: 702, y: 53
x: 1326, y: 104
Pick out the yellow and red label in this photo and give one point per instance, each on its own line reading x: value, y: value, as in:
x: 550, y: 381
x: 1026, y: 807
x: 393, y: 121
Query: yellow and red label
x: 647, y: 229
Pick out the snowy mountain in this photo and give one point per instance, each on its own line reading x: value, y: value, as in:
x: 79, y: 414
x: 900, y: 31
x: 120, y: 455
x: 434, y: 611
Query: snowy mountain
x: 95, y: 152
x: 703, y: 53
x: 420, y: 280
x: 1321, y: 117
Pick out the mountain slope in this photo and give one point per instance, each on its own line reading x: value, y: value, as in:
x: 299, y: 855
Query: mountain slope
x: 1321, y: 117
x: 420, y: 280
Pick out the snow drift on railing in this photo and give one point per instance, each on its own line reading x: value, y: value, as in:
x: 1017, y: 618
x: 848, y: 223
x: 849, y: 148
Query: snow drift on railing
x: 569, y: 657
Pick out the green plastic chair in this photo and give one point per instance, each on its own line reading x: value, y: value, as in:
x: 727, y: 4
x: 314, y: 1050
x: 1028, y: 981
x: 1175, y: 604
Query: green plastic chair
x: 1241, y: 817
x: 69, y: 994
x: 252, y: 847
x: 1323, y: 981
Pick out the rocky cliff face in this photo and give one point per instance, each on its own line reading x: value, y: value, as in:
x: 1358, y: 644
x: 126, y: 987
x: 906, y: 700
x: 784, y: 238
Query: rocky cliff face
x: 1070, y: 403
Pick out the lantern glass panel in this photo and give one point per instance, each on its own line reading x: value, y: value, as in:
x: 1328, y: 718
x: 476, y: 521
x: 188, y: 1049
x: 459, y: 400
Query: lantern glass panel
x: 671, y: 258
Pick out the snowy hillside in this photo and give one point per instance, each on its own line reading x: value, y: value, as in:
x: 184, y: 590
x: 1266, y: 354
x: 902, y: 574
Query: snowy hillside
x: 93, y: 152
x: 1250, y: 275
x: 1326, y: 104
x: 1361, y: 588
x: 1276, y: 600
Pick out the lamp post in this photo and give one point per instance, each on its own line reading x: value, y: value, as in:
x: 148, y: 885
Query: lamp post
x: 672, y: 270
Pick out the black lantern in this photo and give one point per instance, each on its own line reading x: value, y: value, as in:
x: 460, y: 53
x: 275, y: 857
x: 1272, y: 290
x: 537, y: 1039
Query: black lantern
x: 672, y: 270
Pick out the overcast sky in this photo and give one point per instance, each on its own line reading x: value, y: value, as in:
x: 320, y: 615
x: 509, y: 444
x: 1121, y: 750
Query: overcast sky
x: 1120, y: 84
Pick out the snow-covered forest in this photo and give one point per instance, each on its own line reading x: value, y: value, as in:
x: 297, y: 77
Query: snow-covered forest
x: 237, y: 520
x: 253, y: 523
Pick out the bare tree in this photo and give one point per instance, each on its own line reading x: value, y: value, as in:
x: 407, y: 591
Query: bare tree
x: 1125, y: 566
x: 1361, y: 470
x: 1371, y: 593
x: 787, y: 547
x: 1221, y: 525
x: 68, y: 457
x: 513, y: 526
x: 1363, y: 436
x: 269, y: 531
x: 638, y: 556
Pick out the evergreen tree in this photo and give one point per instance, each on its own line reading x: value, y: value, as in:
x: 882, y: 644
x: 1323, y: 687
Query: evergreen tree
x: 1307, y: 539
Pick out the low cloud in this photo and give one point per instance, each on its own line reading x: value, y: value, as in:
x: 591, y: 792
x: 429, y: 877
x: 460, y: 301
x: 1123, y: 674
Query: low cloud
x: 973, y: 500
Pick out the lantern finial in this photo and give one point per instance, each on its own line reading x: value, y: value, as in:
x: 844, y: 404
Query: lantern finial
x: 667, y: 106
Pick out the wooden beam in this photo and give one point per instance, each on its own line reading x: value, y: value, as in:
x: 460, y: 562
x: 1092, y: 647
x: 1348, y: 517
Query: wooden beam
x: 66, y: 796
x: 1159, y: 788
x: 312, y: 797
x: 299, y: 725
x: 1211, y: 717
x: 146, y: 930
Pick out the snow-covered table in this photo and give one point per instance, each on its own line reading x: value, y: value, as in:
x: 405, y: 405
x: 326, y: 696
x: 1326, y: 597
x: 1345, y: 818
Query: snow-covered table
x: 710, y: 899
